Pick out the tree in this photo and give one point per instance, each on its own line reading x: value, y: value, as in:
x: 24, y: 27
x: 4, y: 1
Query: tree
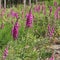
x: 24, y: 4
x: 4, y: 3
x: 0, y: 4
x: 30, y: 2
x: 36, y: 1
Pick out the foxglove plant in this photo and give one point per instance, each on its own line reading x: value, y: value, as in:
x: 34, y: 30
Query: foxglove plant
x: 50, y: 30
x: 43, y: 8
x: 3, y: 12
x: 38, y: 8
x: 35, y: 8
x: 55, y: 4
x: 58, y: 8
x: 15, y: 30
x: 29, y: 20
x: 52, y: 58
x: 14, y: 14
x: 50, y: 8
x: 56, y: 14
x: 5, y: 53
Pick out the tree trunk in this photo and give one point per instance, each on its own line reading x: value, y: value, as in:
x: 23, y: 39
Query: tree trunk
x: 4, y: 3
x: 36, y: 1
x: 24, y: 4
x: 30, y: 2
x: 0, y: 4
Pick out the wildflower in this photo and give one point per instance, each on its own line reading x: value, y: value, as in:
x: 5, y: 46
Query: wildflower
x: 56, y: 14
x: 55, y: 4
x: 3, y: 12
x: 5, y: 54
x: 44, y: 8
x: 58, y: 8
x: 35, y: 8
x: 58, y: 11
x: 15, y: 30
x: 50, y: 8
x: 38, y: 8
x: 49, y: 27
x: 50, y: 30
x: 29, y: 19
x: 52, y: 57
x: 14, y: 14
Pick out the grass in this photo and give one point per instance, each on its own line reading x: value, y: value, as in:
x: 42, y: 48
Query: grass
x: 32, y: 43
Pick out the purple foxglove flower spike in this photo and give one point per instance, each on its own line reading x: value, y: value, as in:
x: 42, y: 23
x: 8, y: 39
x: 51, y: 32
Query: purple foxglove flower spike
x: 29, y: 20
x: 50, y: 8
x: 15, y: 30
x: 50, y: 30
x: 49, y: 27
x: 43, y: 8
x: 3, y: 12
x: 51, y: 58
x: 5, y: 54
x: 55, y: 4
x: 14, y: 14
x: 56, y: 14
x: 38, y: 8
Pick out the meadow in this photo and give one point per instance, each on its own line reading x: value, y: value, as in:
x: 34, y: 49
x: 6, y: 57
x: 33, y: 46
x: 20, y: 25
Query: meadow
x: 32, y: 42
